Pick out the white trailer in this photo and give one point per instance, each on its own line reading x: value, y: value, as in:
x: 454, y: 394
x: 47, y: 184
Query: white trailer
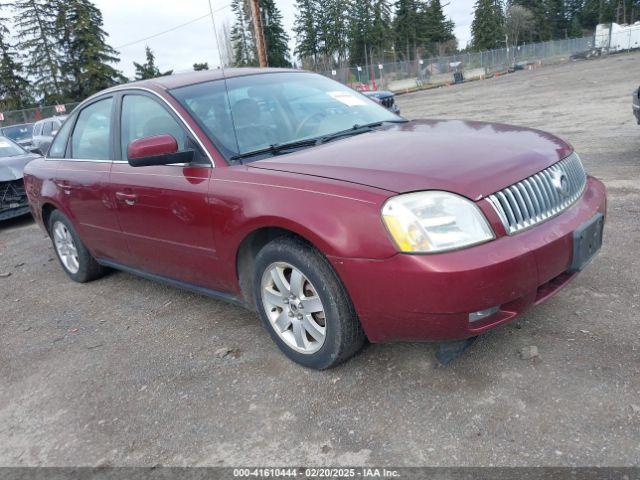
x: 617, y: 38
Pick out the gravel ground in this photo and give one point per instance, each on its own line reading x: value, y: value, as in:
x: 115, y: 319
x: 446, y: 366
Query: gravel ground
x: 122, y: 371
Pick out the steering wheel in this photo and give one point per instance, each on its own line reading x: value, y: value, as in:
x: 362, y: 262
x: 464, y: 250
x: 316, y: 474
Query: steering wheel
x: 307, y: 120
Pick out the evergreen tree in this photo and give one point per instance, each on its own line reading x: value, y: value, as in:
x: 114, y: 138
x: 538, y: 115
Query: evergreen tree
x: 149, y: 68
x: 381, y: 35
x: 36, y: 25
x: 306, y: 31
x: 275, y: 37
x: 361, y: 31
x: 487, y: 28
x: 435, y: 29
x: 87, y: 58
x: 333, y: 31
x: 197, y: 67
x: 244, y: 49
x: 370, y: 33
x: 557, y: 26
x: 407, y: 27
x: 14, y: 87
x: 574, y: 10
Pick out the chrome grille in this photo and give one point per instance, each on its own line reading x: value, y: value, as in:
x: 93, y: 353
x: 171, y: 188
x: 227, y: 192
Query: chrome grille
x: 540, y: 196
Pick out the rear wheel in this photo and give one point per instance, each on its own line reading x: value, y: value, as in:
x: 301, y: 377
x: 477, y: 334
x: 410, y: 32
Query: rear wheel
x: 74, y: 257
x: 304, y: 305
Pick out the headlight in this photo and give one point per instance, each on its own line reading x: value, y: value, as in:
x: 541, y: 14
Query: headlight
x: 429, y: 222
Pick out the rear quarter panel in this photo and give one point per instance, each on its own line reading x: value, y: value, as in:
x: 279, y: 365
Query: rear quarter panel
x: 39, y: 176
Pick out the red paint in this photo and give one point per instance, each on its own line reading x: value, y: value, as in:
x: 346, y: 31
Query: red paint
x: 151, y: 146
x: 187, y: 223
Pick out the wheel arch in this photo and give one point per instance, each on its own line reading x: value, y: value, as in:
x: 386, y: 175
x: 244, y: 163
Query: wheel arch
x: 46, y: 210
x: 249, y: 247
x: 255, y: 239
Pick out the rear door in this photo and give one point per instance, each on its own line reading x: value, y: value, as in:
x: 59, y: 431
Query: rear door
x: 163, y: 210
x: 82, y: 179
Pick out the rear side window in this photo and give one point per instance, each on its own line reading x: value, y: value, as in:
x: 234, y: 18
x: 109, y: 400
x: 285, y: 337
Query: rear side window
x: 144, y: 117
x: 59, y: 145
x: 92, y: 134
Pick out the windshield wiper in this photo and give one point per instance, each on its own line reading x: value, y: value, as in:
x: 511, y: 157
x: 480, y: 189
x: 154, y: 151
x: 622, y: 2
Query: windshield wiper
x: 355, y: 130
x: 278, y: 148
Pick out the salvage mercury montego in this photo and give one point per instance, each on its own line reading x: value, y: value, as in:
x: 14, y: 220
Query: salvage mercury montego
x: 300, y: 198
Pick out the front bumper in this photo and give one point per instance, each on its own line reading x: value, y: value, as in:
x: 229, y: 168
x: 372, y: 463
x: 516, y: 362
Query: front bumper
x: 13, y: 199
x: 430, y: 297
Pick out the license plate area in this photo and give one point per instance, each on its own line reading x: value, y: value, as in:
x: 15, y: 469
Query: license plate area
x: 587, y: 240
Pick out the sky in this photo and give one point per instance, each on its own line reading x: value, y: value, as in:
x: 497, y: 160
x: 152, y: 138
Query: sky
x: 129, y: 21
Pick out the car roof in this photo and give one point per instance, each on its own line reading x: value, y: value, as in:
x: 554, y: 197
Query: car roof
x: 17, y: 125
x: 189, y: 78
x: 61, y: 118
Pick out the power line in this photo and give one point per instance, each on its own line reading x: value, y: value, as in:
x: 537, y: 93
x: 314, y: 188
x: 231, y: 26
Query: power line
x: 172, y: 28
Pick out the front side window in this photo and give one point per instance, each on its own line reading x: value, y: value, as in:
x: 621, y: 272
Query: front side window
x: 37, y: 130
x: 59, y: 144
x: 274, y: 109
x: 143, y: 117
x: 91, y: 135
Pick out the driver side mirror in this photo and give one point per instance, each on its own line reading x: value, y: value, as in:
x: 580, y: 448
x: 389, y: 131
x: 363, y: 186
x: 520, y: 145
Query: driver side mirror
x: 157, y: 150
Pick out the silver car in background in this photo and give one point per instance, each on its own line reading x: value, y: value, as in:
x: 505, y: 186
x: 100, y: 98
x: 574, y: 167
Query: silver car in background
x: 44, y: 131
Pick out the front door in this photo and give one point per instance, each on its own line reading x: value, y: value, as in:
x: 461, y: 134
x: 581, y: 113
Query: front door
x: 163, y: 210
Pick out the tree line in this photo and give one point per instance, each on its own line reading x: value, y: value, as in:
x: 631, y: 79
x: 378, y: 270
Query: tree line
x: 356, y: 32
x: 56, y: 51
x: 499, y: 23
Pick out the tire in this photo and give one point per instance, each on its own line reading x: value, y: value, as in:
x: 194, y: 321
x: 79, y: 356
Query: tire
x: 82, y: 267
x: 274, y: 279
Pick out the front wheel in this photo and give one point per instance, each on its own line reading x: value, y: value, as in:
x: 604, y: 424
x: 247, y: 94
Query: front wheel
x: 304, y: 305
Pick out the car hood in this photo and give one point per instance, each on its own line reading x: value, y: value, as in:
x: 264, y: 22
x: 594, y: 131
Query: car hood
x: 473, y: 159
x: 11, y: 168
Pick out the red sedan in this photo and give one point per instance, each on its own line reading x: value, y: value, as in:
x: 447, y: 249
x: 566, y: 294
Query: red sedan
x: 335, y: 219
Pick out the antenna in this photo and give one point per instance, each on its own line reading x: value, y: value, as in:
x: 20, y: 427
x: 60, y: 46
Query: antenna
x: 215, y: 34
x: 224, y: 79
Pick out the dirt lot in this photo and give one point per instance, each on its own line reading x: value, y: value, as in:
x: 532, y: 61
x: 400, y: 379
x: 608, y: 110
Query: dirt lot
x: 122, y: 371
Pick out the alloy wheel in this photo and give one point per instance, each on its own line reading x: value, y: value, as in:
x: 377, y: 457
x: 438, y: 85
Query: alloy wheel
x: 293, y: 307
x: 66, y: 247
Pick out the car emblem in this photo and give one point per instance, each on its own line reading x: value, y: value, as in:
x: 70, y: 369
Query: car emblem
x: 560, y: 182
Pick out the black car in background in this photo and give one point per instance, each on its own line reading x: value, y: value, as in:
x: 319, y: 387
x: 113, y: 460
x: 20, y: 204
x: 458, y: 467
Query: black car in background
x: 385, y: 98
x: 22, y: 134
x: 13, y: 198
x: 636, y: 104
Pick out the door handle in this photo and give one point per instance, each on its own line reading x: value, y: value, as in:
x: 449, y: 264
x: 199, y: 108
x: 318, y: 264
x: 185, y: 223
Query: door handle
x: 128, y: 198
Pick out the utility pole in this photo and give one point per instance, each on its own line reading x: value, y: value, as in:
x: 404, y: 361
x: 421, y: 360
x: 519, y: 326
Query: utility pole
x: 259, y: 33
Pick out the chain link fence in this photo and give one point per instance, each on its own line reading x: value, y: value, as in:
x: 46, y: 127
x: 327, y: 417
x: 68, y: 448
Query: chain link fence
x: 430, y: 72
x: 30, y: 115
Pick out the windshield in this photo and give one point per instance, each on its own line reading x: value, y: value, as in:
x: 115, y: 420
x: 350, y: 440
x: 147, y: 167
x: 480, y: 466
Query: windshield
x: 255, y: 112
x: 18, y: 132
x: 9, y: 149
